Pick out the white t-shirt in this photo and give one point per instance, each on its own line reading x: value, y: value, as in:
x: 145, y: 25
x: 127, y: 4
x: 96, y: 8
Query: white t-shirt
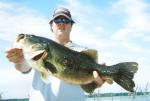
x: 56, y: 90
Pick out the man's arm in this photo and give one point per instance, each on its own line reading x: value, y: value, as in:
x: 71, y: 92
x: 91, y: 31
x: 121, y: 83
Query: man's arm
x: 15, y: 55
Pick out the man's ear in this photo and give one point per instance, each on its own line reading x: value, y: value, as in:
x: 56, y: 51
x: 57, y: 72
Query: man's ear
x: 51, y: 25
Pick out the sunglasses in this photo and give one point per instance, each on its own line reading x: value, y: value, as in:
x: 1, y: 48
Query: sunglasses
x: 64, y: 20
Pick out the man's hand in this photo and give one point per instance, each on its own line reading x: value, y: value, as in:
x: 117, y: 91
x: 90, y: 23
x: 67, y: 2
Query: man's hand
x: 14, y: 55
x: 98, y: 80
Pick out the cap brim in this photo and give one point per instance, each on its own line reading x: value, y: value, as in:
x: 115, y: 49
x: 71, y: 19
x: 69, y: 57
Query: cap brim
x: 61, y: 14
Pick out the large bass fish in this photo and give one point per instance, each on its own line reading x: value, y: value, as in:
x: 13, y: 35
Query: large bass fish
x: 51, y: 58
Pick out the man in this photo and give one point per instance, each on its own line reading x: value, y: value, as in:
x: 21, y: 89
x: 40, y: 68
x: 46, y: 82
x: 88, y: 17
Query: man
x: 56, y: 90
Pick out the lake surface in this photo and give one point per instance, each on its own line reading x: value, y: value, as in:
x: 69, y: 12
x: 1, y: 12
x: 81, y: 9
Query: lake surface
x: 120, y: 98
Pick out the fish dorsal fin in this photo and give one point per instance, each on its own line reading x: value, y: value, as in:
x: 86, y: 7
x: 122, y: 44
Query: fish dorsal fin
x: 92, y: 53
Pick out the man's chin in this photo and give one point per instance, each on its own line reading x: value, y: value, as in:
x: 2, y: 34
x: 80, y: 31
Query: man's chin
x: 62, y: 31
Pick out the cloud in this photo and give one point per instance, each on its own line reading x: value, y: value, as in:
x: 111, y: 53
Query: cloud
x: 122, y: 34
x: 81, y: 11
x: 16, y: 19
x: 12, y: 82
x: 134, y: 33
x: 136, y: 17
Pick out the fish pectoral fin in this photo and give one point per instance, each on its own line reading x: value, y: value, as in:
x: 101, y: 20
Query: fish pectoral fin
x: 37, y: 55
x: 45, y: 77
x: 89, y: 88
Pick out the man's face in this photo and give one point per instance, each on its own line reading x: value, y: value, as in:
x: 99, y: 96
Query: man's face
x: 61, y: 25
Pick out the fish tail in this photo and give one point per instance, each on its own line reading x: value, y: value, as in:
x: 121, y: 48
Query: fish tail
x: 124, y: 75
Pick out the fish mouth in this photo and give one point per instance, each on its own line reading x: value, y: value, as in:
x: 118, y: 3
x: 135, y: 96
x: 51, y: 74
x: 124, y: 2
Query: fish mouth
x: 37, y: 55
x: 20, y: 36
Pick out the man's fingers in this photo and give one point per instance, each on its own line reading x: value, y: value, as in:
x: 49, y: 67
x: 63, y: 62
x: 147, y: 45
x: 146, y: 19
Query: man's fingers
x: 16, y: 59
x: 10, y: 50
x: 14, y: 55
x: 103, y: 63
x: 97, y: 79
x: 109, y: 81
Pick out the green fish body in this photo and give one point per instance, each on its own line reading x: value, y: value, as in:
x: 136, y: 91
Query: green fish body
x: 51, y: 58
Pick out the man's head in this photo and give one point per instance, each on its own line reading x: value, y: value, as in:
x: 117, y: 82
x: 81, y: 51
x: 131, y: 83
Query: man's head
x: 62, y: 12
x: 61, y: 22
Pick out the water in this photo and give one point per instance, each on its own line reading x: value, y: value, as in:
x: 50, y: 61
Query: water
x: 120, y: 98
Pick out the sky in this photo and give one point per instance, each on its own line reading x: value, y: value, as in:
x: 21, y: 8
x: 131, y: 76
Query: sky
x: 118, y: 29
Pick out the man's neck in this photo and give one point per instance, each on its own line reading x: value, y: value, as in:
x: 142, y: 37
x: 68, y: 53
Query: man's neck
x: 61, y: 41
